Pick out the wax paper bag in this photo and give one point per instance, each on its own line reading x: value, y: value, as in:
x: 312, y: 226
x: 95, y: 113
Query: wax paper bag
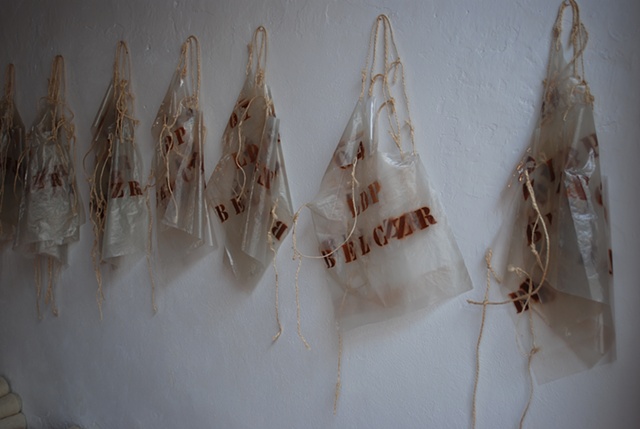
x: 559, y: 258
x: 118, y: 201
x: 182, y: 215
x: 248, y: 188
x: 384, y: 235
x: 12, y: 144
x: 51, y: 210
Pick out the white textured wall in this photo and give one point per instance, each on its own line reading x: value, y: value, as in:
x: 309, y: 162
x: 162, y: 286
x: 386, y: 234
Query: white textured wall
x: 474, y: 72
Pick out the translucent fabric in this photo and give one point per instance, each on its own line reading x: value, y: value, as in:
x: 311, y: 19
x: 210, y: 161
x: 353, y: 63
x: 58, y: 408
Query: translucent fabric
x: 12, y: 144
x: 384, y: 236
x: 248, y: 189
x: 560, y: 257
x: 118, y: 201
x: 178, y: 167
x: 51, y: 210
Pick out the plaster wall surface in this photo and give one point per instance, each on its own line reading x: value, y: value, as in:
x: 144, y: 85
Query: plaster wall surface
x: 205, y: 360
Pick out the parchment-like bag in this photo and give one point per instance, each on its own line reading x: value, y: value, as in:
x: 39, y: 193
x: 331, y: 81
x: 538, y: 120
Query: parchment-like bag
x: 178, y: 168
x: 557, y: 260
x: 248, y: 188
x: 385, y: 240
x: 560, y: 247
x: 51, y: 210
x: 118, y: 201
x: 12, y: 144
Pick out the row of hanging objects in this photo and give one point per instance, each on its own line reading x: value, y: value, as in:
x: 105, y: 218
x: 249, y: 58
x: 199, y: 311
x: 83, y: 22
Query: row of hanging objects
x: 118, y: 202
x: 183, y: 220
x: 248, y: 188
x: 12, y: 143
x: 51, y: 210
x: 382, y: 232
x: 557, y: 266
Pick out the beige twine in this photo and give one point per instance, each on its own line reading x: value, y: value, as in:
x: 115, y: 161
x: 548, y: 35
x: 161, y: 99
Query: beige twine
x: 527, y: 296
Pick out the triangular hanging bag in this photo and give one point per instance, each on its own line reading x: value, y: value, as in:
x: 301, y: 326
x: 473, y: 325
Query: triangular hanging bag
x: 118, y: 200
x: 183, y: 222
x: 248, y: 189
x: 12, y: 144
x: 556, y: 266
x: 51, y: 210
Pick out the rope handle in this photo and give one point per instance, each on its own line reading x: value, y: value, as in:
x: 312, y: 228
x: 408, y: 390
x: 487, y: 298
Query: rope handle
x: 122, y: 63
x: 259, y: 44
x: 190, y: 61
x: 57, y: 83
x: 578, y: 37
x: 391, y: 66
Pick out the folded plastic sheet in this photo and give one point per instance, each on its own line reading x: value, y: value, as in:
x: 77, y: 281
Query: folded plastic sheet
x: 12, y: 145
x: 248, y: 189
x: 118, y: 200
x: 560, y: 260
x: 182, y: 215
x: 51, y: 210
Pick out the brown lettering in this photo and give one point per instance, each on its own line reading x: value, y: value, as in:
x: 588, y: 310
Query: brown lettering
x: 278, y: 229
x: 221, y: 212
x: 376, y: 236
x: 349, y: 252
x: 424, y: 218
x: 134, y: 189
x: 180, y: 133
x: 329, y: 260
x: 364, y: 246
x: 117, y: 190
x: 238, y: 205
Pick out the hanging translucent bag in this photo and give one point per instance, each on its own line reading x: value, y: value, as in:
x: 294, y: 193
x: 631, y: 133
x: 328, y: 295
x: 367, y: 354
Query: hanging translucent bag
x: 118, y: 201
x: 556, y: 264
x: 248, y: 188
x: 384, y: 236
x: 12, y: 144
x: 51, y: 210
x: 182, y: 215
x: 560, y: 253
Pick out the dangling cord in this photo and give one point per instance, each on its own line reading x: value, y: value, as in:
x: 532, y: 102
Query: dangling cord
x: 485, y: 301
x: 190, y: 63
x: 527, y: 296
x: 38, y: 280
x: 340, y: 347
x: 299, y: 255
x: 261, y: 60
x: 275, y: 269
x: 52, y: 273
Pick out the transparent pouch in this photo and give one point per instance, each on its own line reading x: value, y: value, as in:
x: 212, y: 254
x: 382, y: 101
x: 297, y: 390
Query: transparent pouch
x: 248, y: 189
x: 118, y: 200
x: 12, y: 146
x: 51, y: 210
x: 182, y: 215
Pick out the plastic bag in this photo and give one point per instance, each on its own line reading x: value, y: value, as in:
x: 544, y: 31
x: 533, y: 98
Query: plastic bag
x: 560, y: 251
x: 382, y: 232
x: 51, y: 210
x: 557, y: 259
x: 248, y: 188
x: 182, y: 214
x: 12, y: 144
x: 384, y: 236
x: 118, y: 201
